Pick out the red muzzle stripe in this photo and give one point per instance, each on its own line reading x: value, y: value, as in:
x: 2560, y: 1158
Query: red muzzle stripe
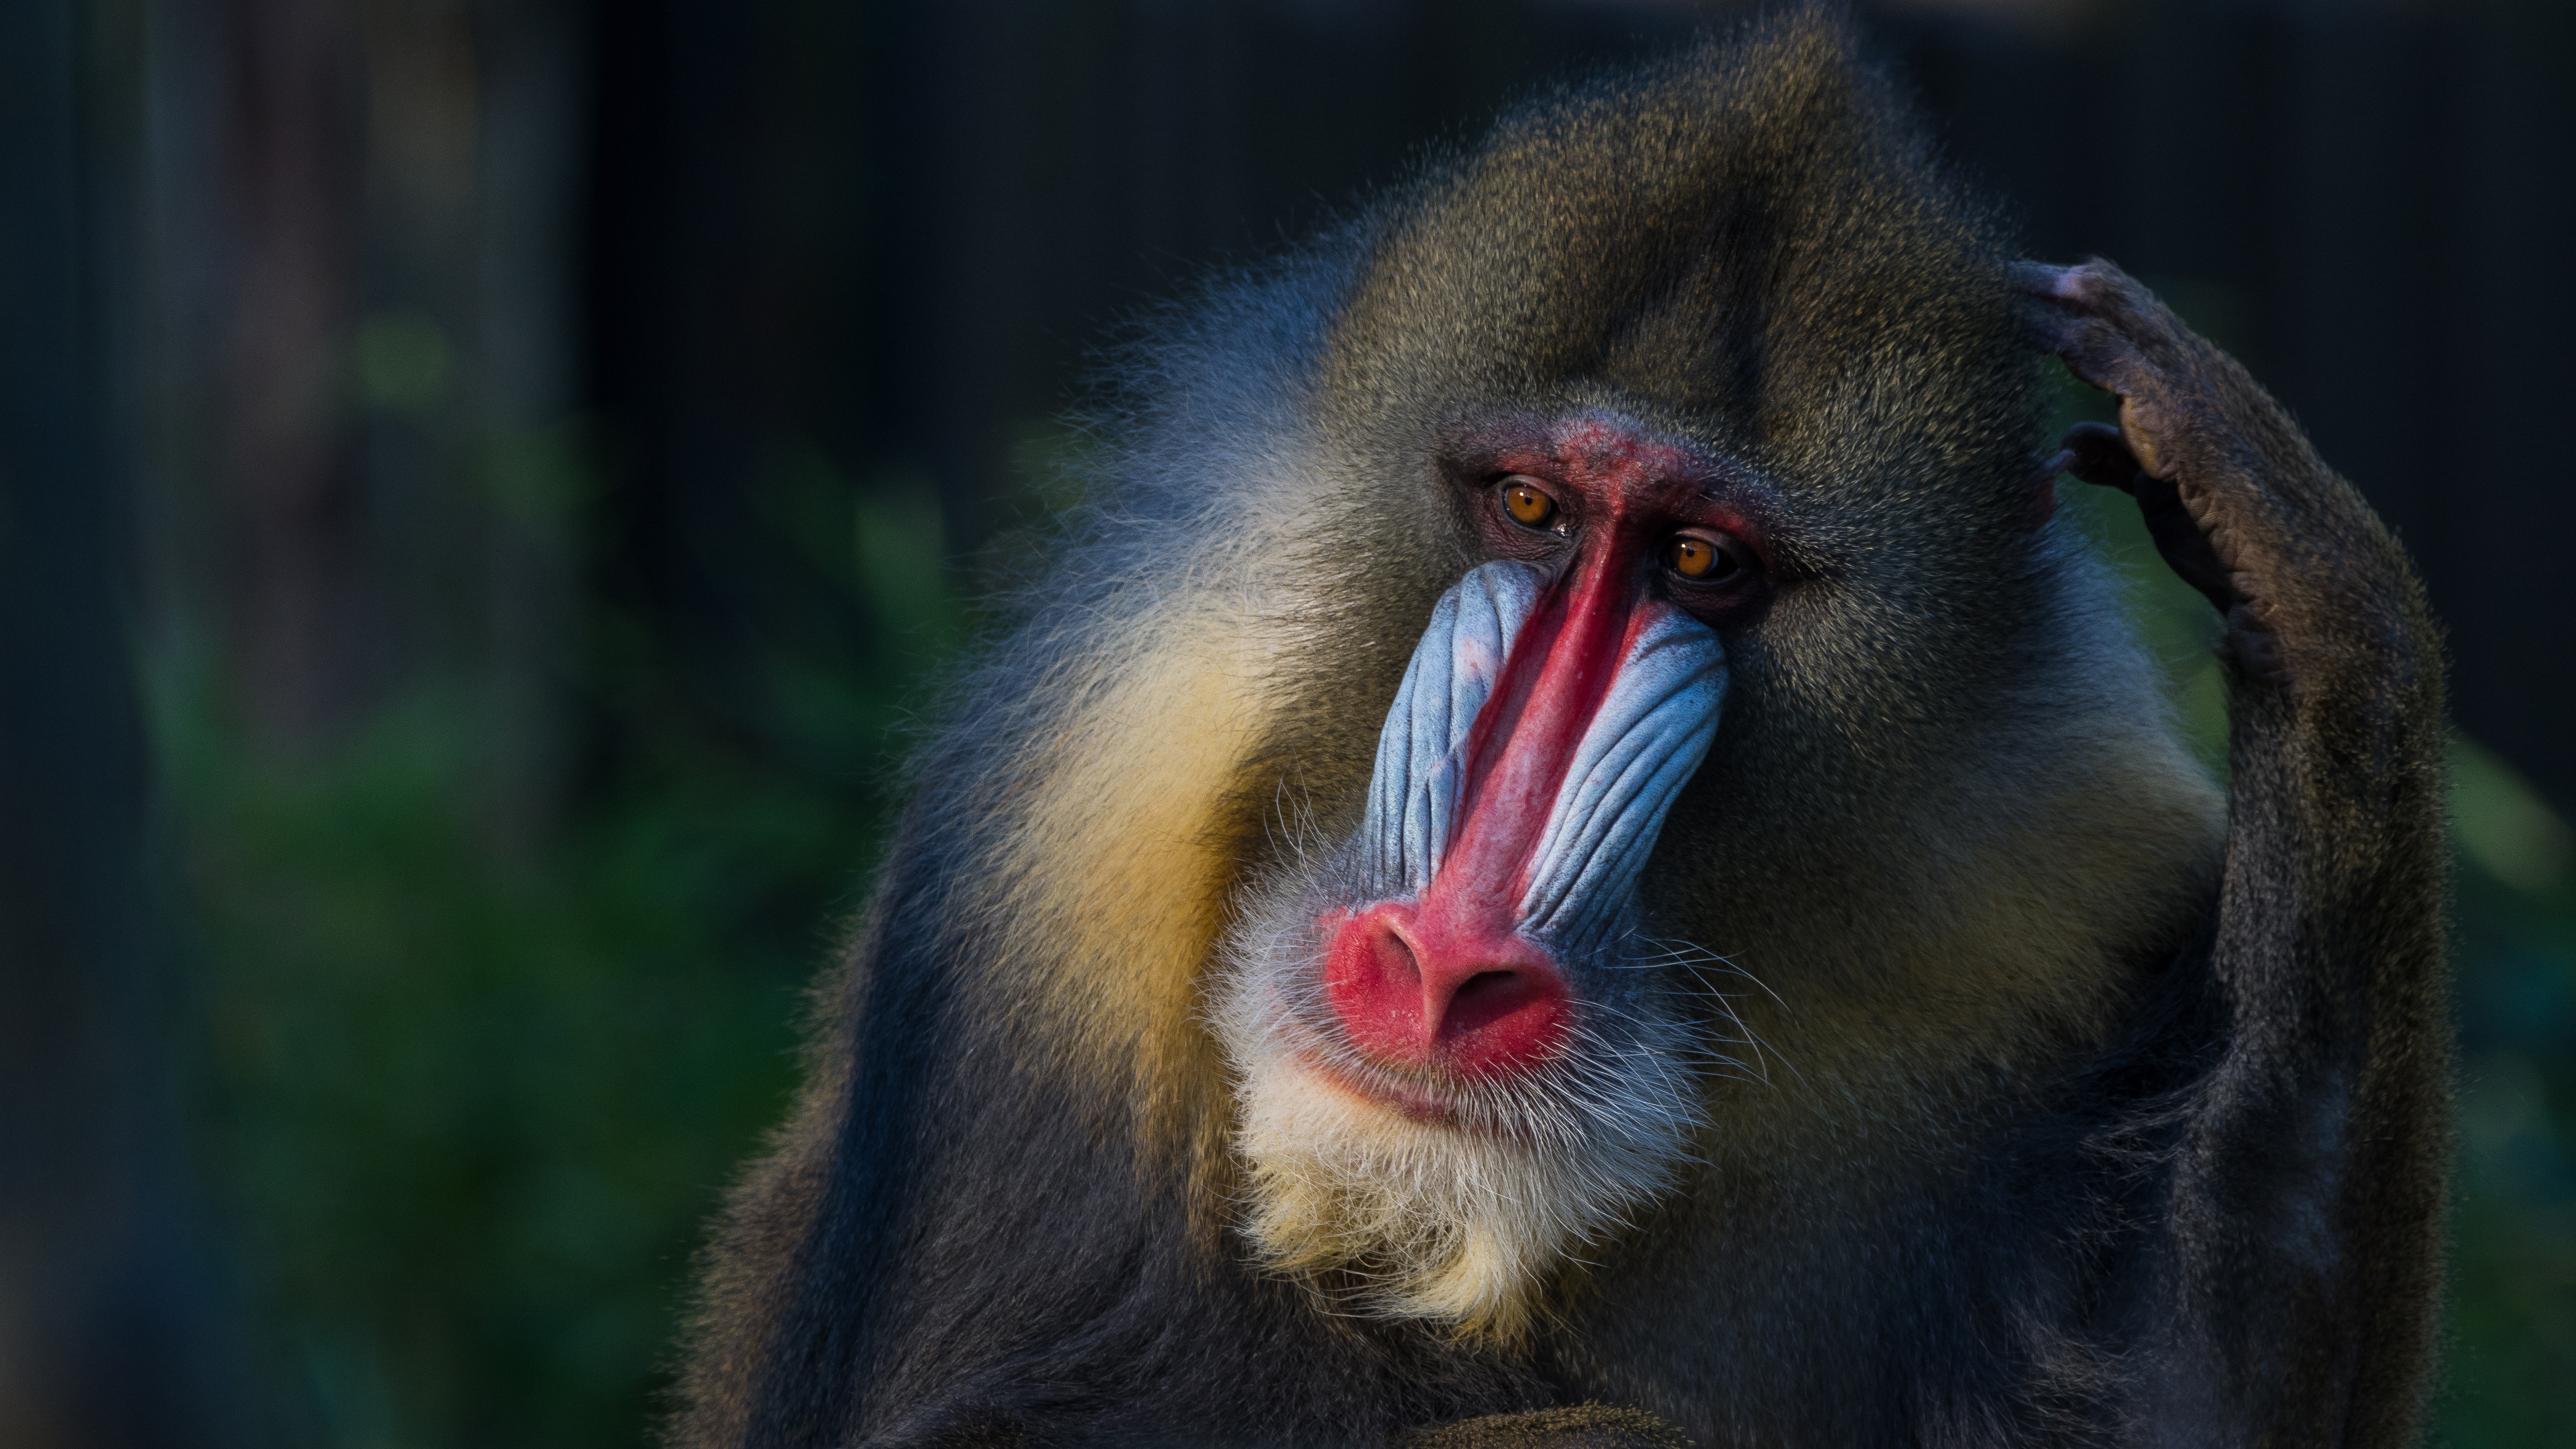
x: 1449, y: 978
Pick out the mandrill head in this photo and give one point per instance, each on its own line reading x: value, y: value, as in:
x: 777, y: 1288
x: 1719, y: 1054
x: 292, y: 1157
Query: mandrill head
x: 1697, y: 740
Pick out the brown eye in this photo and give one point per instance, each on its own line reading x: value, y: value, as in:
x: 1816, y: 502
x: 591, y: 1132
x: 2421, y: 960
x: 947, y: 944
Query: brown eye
x: 1527, y: 503
x: 1698, y: 559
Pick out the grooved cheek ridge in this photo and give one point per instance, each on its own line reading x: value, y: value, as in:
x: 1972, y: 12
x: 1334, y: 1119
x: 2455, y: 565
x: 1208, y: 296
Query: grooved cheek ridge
x: 1413, y: 794
x: 1647, y: 738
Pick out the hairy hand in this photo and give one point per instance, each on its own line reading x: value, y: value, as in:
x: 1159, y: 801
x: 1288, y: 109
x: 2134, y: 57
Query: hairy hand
x: 2178, y: 448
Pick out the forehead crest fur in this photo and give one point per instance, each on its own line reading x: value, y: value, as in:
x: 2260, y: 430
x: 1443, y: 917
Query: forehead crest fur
x: 1743, y: 241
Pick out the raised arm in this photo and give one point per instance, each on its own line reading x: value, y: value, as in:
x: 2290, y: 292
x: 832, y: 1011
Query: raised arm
x: 2303, y: 1239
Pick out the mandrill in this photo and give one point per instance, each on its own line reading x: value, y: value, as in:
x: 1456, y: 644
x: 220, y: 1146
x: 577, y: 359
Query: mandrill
x: 1571, y: 852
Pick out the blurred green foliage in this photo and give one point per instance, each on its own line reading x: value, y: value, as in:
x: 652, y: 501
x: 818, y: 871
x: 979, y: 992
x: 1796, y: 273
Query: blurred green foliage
x: 475, y: 1100
x: 474, y: 1108
x: 475, y: 1096
x: 2513, y: 1370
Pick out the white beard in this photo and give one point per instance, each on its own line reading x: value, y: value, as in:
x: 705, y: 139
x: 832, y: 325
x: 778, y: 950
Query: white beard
x: 1460, y: 1221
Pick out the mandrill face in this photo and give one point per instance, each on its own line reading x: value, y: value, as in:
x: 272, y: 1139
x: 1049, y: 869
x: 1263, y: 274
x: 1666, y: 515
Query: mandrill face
x: 1457, y: 1055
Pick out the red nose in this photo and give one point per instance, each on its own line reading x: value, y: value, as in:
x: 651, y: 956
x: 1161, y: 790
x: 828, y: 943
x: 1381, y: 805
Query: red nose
x: 1414, y: 990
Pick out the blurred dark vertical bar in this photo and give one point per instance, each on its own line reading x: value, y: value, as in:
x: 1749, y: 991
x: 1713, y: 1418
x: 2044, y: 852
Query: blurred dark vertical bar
x: 2413, y: 215
x: 105, y: 1333
x: 297, y: 140
x: 678, y: 372
x: 2508, y: 311
x: 533, y: 96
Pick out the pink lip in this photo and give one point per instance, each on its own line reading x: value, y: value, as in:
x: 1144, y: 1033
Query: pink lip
x: 1419, y: 1104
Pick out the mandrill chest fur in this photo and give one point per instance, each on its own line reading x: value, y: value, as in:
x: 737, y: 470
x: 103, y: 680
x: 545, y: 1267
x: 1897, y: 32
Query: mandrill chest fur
x: 1573, y: 852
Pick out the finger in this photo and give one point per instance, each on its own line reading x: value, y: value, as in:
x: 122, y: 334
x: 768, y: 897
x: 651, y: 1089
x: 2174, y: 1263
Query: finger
x: 2092, y: 287
x: 2139, y: 429
x: 2093, y: 314
x: 2096, y: 453
x: 2057, y: 316
x: 2185, y: 548
x: 2104, y: 356
x: 2102, y: 457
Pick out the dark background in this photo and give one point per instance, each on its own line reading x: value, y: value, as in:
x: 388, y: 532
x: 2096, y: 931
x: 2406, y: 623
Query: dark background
x: 483, y: 481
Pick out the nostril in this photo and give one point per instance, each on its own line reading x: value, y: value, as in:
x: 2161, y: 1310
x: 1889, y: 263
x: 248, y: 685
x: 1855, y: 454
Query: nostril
x: 1504, y: 1018
x: 1483, y: 997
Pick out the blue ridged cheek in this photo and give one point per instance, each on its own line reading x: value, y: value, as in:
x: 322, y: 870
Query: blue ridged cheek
x: 1642, y: 746
x: 1414, y: 792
